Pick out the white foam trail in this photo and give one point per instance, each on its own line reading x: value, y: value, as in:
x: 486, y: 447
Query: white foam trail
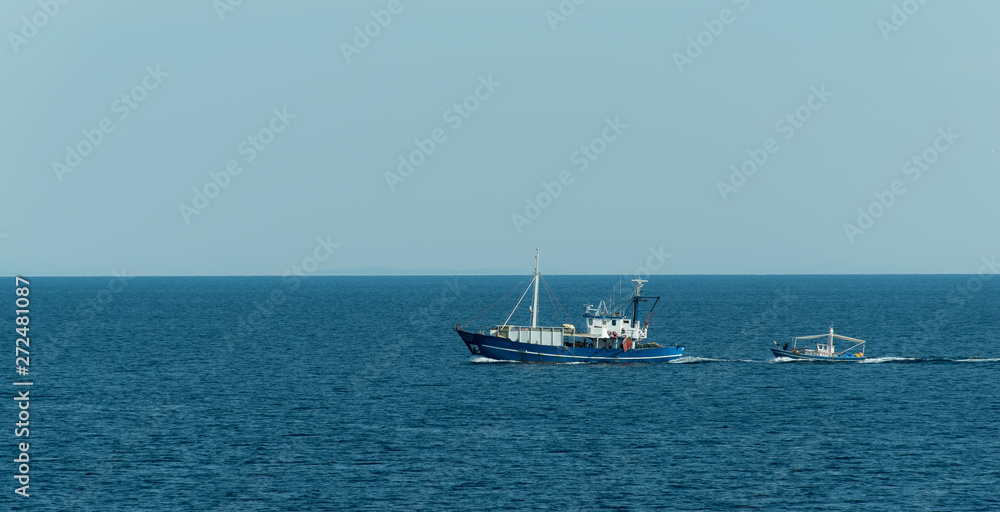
x: 484, y: 359
x: 695, y: 359
x: 888, y: 359
x: 978, y: 360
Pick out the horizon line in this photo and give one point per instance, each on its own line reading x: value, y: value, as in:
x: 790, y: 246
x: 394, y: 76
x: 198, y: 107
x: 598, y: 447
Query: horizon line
x: 10, y: 276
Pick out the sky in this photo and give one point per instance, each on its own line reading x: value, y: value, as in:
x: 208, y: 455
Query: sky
x: 451, y: 136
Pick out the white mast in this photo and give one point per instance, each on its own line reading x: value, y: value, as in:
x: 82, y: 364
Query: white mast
x: 635, y: 305
x: 638, y: 285
x: 534, y: 302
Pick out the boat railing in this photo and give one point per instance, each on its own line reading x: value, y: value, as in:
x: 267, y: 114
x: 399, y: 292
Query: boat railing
x: 554, y: 336
x: 537, y: 335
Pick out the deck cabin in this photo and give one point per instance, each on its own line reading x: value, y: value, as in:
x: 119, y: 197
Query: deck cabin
x: 604, y: 329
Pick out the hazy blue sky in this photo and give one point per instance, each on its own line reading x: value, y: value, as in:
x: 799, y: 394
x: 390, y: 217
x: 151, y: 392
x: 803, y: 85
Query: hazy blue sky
x: 491, y: 102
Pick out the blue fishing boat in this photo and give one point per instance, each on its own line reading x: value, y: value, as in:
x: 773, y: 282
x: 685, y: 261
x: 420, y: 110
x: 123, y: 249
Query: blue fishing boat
x: 609, y: 335
x: 822, y: 351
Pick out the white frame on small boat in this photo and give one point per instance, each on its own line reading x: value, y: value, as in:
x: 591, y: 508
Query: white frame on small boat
x: 826, y: 350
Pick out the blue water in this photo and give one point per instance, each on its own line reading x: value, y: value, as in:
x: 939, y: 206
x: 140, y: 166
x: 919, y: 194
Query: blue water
x: 342, y: 393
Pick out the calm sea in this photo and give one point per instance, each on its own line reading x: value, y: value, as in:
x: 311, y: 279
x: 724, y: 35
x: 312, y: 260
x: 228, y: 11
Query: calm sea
x: 354, y: 393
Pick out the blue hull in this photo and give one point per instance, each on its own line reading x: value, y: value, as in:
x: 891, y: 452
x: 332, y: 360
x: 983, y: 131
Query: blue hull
x: 503, y: 349
x: 788, y: 353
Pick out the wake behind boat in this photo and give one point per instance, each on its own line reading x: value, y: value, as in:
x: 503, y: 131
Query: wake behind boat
x: 822, y: 351
x: 610, y: 337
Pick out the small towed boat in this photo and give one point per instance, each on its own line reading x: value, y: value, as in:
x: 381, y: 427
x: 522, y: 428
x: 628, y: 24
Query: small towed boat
x: 822, y: 350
